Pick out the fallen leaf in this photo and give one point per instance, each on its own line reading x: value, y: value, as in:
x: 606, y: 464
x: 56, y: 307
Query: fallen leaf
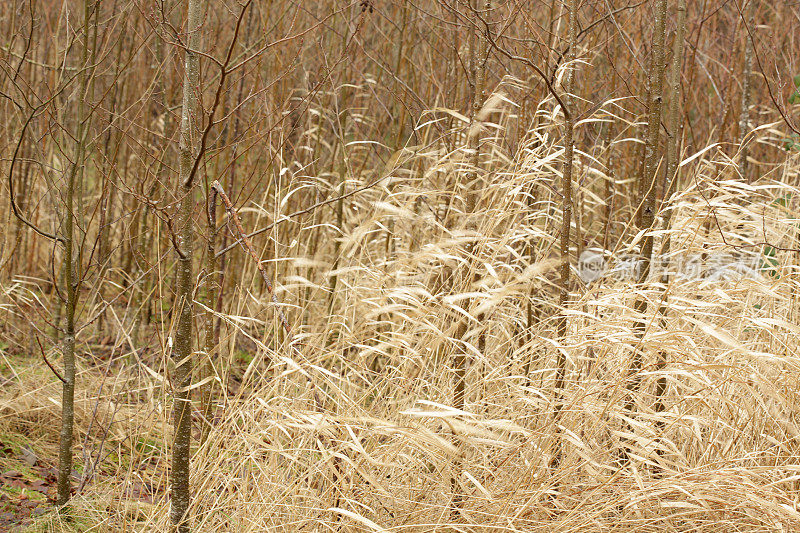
x: 29, y: 456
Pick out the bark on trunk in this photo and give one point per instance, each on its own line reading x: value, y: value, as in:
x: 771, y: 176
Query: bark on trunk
x: 72, y: 223
x: 182, y: 349
x: 647, y: 178
x: 676, y: 131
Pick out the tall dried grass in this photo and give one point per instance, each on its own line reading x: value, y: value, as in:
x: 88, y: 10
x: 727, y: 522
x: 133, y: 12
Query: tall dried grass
x: 375, y: 449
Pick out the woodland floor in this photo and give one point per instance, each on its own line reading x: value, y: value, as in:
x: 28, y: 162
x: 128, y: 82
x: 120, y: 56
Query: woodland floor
x: 29, y: 452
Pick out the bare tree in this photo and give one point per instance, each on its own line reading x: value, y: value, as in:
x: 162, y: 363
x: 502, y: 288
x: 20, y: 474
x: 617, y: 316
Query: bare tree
x: 675, y: 121
x: 647, y: 179
x: 477, y: 77
x: 182, y: 349
x: 566, y: 212
x: 747, y: 67
x: 72, y: 227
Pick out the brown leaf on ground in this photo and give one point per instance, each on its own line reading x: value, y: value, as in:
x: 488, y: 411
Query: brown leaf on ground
x: 28, y: 456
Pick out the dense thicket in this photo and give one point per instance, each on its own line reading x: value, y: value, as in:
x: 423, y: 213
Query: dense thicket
x: 508, y: 265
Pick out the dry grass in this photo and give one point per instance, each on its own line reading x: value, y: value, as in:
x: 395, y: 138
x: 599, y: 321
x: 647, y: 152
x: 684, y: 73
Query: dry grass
x: 376, y: 352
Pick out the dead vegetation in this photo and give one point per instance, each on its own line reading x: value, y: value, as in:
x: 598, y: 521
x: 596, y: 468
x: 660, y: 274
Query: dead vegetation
x: 396, y: 255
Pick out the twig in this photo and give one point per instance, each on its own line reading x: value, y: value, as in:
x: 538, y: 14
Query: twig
x: 48, y: 362
x: 174, y: 240
x: 217, y: 98
x: 244, y: 240
x: 11, y: 193
x: 524, y: 60
x: 302, y: 212
x: 761, y: 68
x: 739, y: 247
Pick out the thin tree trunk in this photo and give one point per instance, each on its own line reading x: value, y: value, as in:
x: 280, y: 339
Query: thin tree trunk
x: 676, y: 130
x: 460, y: 359
x: 141, y: 231
x: 182, y: 350
x: 647, y: 178
x: 566, y: 218
x: 744, y: 113
x: 73, y: 219
x: 118, y: 95
x: 71, y: 277
x: 532, y: 310
x: 611, y: 185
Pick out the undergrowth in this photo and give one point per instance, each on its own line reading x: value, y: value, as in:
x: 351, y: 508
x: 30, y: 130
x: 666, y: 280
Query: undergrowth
x: 357, y: 431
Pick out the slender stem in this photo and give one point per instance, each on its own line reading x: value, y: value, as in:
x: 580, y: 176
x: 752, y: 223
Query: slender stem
x: 566, y: 223
x: 647, y: 179
x: 676, y: 130
x: 182, y: 350
x: 744, y: 113
x: 73, y: 220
